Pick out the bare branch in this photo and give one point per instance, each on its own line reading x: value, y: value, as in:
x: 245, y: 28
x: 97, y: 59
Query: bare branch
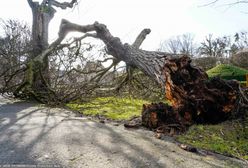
x: 100, y: 75
x: 225, y: 4
x: 208, y: 4
x: 65, y: 28
x: 99, y: 71
x: 31, y: 3
x: 78, y: 39
x: 63, y: 5
x: 141, y: 37
x: 45, y: 2
x: 235, y: 3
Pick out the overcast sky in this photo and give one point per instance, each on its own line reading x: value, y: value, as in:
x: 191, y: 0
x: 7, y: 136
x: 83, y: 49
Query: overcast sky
x: 127, y: 18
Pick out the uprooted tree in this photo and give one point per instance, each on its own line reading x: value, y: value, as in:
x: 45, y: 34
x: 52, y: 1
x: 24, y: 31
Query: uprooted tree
x: 193, y: 97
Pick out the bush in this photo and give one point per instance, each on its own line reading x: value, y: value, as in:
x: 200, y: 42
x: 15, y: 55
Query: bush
x: 228, y: 72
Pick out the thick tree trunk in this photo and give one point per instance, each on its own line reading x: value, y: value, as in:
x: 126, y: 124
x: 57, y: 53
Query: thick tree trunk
x: 42, y: 15
x: 37, y: 80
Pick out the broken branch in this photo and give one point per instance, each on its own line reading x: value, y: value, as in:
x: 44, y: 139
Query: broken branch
x: 141, y: 37
x: 63, y: 5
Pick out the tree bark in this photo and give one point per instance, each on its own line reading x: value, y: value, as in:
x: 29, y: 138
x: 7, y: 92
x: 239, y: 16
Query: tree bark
x: 42, y: 15
x: 149, y: 62
x: 37, y: 79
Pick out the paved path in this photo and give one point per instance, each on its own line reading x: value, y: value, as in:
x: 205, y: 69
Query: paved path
x: 34, y: 134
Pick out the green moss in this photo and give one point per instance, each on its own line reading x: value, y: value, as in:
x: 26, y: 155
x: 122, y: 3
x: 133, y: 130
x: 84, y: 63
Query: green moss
x: 30, y: 73
x: 225, y: 70
x: 111, y: 107
x: 230, y: 138
x: 45, y: 9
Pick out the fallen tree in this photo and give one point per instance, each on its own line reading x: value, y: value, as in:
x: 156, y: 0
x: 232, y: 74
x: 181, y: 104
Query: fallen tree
x: 193, y: 97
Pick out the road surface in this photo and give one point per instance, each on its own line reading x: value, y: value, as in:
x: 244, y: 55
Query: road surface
x: 32, y: 134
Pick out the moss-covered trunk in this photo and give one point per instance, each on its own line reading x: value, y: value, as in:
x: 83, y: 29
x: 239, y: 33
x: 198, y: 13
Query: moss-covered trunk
x: 37, y: 79
x: 42, y: 15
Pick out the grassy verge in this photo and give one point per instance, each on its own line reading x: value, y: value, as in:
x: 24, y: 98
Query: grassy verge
x: 111, y: 107
x: 229, y: 138
x: 226, y: 70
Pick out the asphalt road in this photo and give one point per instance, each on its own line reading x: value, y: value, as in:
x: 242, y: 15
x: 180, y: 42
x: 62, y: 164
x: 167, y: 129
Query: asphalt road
x: 32, y: 134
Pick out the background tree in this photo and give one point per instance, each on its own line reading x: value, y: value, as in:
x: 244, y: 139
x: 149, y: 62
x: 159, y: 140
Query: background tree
x: 240, y: 42
x: 14, y: 51
x: 182, y: 44
x: 217, y: 47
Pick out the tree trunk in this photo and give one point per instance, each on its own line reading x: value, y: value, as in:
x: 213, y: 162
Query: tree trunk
x: 42, y: 15
x: 37, y: 80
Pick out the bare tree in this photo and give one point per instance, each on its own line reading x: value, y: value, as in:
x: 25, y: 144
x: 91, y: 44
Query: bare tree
x: 217, y: 47
x: 241, y: 40
x: 207, y: 46
x: 14, y: 50
x: 183, y: 44
x: 187, y: 44
x: 171, y: 45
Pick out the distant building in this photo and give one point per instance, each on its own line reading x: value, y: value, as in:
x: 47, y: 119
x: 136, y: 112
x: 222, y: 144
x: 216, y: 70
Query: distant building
x: 91, y: 69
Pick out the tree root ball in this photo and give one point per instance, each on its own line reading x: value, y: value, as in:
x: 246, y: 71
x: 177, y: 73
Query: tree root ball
x: 194, y: 97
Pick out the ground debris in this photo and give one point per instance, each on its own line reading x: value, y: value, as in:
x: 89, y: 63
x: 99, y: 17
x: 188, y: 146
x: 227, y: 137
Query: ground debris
x: 134, y: 122
x: 188, y: 148
x: 161, y: 118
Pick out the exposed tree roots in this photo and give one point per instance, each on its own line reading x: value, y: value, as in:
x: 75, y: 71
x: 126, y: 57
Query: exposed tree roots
x: 194, y: 99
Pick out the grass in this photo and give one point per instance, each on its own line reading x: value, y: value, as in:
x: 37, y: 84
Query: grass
x: 229, y: 138
x: 223, y: 70
x: 111, y: 107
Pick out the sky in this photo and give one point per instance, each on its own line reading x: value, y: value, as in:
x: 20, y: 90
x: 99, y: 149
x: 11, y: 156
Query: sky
x: 125, y: 19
